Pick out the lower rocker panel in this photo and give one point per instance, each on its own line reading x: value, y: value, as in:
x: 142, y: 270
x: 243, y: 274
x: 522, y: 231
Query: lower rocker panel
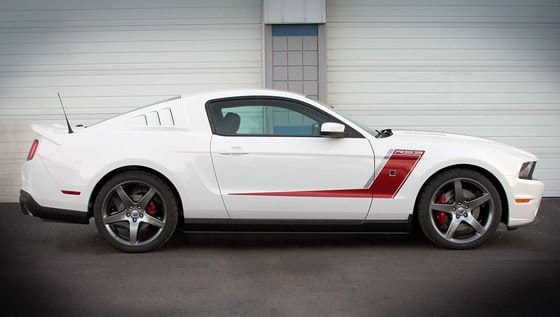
x: 296, y: 225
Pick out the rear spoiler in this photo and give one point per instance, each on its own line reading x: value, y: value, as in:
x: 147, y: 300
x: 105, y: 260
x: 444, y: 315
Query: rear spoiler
x: 53, y: 132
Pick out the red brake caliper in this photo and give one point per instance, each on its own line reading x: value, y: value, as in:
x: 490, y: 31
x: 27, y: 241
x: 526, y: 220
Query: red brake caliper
x: 441, y: 216
x: 151, y: 209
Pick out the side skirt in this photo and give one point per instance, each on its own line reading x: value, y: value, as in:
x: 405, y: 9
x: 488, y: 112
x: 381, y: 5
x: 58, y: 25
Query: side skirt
x: 296, y: 225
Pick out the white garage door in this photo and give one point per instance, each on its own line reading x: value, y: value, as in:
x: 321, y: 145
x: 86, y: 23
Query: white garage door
x: 488, y: 68
x: 110, y: 56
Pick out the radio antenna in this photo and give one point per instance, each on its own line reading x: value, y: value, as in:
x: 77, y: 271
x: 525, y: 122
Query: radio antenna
x: 70, y: 131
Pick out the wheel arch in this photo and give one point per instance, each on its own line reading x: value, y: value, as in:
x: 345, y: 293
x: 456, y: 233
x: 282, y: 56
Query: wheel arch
x: 495, y: 181
x: 128, y: 168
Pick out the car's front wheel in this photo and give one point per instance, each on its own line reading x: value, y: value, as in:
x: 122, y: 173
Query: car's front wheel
x: 459, y: 209
x: 136, y: 211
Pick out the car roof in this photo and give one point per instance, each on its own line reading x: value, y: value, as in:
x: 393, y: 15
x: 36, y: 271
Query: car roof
x: 243, y: 92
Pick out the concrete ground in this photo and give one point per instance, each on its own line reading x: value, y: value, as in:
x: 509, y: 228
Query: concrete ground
x: 51, y: 268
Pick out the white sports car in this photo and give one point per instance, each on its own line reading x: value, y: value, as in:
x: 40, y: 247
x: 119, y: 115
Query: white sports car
x: 270, y: 160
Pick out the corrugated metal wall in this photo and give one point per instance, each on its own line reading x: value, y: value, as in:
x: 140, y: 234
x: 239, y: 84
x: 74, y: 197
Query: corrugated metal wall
x: 483, y: 67
x: 110, y: 56
x: 488, y: 68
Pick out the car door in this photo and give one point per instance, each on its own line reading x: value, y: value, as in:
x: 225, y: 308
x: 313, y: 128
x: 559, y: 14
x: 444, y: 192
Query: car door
x: 272, y: 163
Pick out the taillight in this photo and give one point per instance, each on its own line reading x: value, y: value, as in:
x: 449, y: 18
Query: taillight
x: 32, y: 149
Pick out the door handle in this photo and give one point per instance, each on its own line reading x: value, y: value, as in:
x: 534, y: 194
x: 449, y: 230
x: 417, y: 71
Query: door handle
x: 234, y: 150
x: 233, y: 153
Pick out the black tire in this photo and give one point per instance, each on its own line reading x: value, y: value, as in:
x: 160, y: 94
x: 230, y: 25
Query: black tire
x: 109, y: 202
x: 441, y: 219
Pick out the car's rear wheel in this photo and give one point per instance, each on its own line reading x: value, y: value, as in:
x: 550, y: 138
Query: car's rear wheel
x: 136, y: 211
x: 459, y: 209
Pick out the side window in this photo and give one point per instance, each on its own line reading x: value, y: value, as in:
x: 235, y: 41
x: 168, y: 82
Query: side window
x: 265, y: 117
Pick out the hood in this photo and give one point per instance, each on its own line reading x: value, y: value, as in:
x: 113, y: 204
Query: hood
x: 458, y: 140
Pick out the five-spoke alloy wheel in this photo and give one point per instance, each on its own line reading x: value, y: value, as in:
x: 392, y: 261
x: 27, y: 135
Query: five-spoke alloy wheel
x: 459, y: 209
x: 136, y: 211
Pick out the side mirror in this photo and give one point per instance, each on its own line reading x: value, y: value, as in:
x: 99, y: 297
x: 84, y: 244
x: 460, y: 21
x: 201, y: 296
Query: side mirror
x: 333, y: 129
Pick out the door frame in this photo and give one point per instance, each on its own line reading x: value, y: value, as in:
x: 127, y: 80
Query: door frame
x: 350, y: 131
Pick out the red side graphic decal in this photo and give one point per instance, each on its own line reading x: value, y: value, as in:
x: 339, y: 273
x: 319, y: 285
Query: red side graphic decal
x: 395, y: 173
x: 387, y: 184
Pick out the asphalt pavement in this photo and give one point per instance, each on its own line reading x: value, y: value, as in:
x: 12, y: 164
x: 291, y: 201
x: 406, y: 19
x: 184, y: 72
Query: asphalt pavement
x: 55, y: 269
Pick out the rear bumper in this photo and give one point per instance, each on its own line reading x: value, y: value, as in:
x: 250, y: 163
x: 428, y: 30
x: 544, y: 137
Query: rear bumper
x: 30, y: 207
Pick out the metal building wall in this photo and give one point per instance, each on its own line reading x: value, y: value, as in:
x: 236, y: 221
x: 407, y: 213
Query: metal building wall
x: 108, y: 56
x: 488, y: 68
x: 483, y: 67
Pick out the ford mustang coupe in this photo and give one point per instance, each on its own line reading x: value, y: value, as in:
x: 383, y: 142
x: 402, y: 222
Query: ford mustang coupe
x: 263, y: 159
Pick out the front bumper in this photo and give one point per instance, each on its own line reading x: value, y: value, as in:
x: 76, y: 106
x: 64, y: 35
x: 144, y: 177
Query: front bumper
x: 523, y: 213
x: 30, y: 207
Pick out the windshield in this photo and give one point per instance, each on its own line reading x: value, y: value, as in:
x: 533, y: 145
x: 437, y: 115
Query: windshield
x: 358, y: 123
x: 363, y: 126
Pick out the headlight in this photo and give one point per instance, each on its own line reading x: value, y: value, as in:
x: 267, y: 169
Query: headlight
x: 526, y: 171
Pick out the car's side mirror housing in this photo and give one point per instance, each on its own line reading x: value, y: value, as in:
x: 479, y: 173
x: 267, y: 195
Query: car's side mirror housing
x: 333, y: 129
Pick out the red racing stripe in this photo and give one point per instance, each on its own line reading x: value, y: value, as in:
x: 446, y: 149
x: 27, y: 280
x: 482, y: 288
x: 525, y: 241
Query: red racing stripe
x: 387, y: 184
x: 333, y: 193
